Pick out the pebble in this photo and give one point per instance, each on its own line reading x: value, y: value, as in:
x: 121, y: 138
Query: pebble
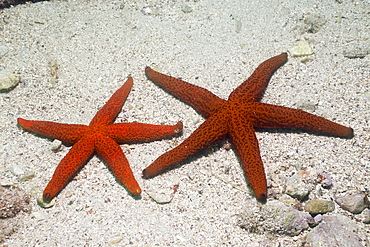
x: 45, y: 204
x: 288, y: 200
x: 319, y: 206
x: 115, y: 241
x: 297, y: 188
x: 195, y: 118
x: 356, y: 53
x: 16, y: 170
x: 8, y: 80
x: 335, y: 230
x: 274, y: 217
x: 302, y: 48
x: 317, y: 219
x: 306, y: 105
x: 364, y: 216
x: 325, y: 179
x: 186, y: 8
x: 56, y: 145
x: 146, y: 11
x: 302, y: 183
x: 163, y: 196
x: 355, y: 203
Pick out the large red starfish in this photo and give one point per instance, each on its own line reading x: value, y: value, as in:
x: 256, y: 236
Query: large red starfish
x: 101, y: 136
x: 237, y: 117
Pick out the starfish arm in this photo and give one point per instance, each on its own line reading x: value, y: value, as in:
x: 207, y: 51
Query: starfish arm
x: 113, y: 155
x: 272, y: 116
x: 68, y: 167
x: 201, y: 99
x: 208, y: 132
x: 67, y: 133
x: 110, y: 110
x: 244, y: 139
x: 132, y: 132
x: 253, y: 87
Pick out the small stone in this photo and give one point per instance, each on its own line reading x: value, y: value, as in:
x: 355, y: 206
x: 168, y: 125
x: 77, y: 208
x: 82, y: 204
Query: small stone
x: 296, y: 187
x: 315, y: 220
x: 353, y: 203
x: 288, y: 199
x: 195, y: 118
x: 8, y: 80
x: 325, y: 180
x: 356, y: 53
x: 318, y: 218
x: 45, y: 204
x: 163, y: 196
x: 306, y: 106
x: 186, y: 8
x: 319, y: 206
x: 146, y: 11
x: 364, y: 216
x: 274, y: 217
x: 16, y: 170
x: 302, y: 48
x: 56, y: 145
x: 115, y: 241
x: 335, y: 230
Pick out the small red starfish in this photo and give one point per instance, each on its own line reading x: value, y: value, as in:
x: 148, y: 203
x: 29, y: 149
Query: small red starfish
x: 101, y: 136
x: 237, y: 117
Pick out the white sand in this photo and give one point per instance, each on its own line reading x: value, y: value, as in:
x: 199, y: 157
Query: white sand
x: 96, y: 44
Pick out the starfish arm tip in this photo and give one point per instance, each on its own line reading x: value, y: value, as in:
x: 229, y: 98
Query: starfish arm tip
x: 145, y: 174
x: 179, y: 126
x: 136, y: 191
x: 261, y: 197
x: 21, y: 122
x: 130, y: 79
x: 47, y: 197
x: 351, y: 133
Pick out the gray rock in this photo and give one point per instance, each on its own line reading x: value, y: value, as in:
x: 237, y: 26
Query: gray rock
x: 319, y: 206
x: 336, y: 230
x: 8, y: 80
x: 355, y: 203
x: 296, y: 187
x: 186, y: 8
x: 274, y: 217
x: 302, y: 48
x: 325, y: 179
x: 364, y: 216
x: 356, y: 52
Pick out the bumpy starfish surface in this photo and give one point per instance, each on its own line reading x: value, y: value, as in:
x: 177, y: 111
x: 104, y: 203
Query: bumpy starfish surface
x: 237, y: 117
x: 102, y: 137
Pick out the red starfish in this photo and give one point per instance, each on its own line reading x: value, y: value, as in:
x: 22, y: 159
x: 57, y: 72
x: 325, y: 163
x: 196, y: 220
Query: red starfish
x: 237, y: 117
x: 101, y: 136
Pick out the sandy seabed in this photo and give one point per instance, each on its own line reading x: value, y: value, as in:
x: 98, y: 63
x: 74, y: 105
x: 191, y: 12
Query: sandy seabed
x: 72, y: 55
